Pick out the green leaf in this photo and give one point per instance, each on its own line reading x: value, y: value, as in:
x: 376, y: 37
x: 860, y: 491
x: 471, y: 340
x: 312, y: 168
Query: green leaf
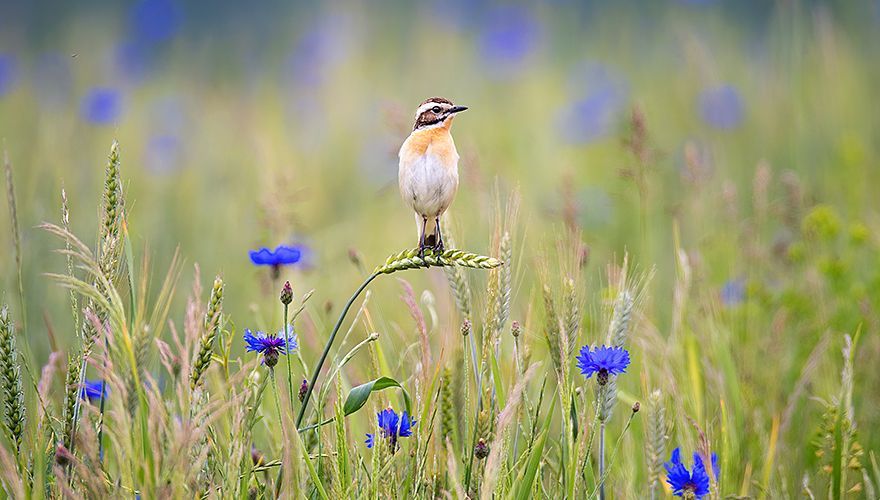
x: 358, y: 396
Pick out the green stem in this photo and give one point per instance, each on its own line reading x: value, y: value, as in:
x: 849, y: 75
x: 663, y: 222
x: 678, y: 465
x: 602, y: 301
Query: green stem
x: 467, y: 382
x: 604, y: 474
x: 280, y: 423
x: 475, y: 437
x: 317, y: 372
x: 103, y: 401
x: 602, y: 460
x: 587, y: 455
x: 77, y: 405
x: 289, y: 355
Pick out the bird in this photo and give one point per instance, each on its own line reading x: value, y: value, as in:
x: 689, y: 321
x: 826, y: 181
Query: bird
x: 428, y: 168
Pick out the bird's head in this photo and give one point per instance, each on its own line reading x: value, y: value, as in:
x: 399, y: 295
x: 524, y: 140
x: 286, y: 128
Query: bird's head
x: 436, y: 112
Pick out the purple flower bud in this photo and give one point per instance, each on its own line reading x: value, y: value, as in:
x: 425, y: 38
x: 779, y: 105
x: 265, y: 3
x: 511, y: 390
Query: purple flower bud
x: 481, y: 450
x: 303, y: 389
x: 286, y: 294
x: 466, y: 328
x: 63, y: 456
x: 257, y: 456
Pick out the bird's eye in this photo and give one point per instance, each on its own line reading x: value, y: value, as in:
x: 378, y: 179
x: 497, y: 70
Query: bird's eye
x: 436, y: 109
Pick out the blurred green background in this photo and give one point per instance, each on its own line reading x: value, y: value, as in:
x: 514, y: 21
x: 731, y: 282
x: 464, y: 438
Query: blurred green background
x: 254, y: 125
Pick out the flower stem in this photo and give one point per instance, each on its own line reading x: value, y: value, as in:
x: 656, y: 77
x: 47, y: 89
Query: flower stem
x: 317, y: 372
x: 602, y: 460
x: 603, y: 475
x: 478, y: 374
x: 280, y: 424
x: 289, y: 355
x: 103, y: 401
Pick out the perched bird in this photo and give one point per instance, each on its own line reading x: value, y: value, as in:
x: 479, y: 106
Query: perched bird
x: 428, y: 173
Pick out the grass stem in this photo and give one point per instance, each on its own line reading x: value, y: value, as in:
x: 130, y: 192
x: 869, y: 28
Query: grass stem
x: 317, y: 372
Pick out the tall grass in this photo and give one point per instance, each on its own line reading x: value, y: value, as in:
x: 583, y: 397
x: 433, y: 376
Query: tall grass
x: 737, y: 267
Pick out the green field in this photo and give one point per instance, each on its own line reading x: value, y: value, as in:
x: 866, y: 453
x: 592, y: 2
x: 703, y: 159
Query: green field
x: 693, y: 181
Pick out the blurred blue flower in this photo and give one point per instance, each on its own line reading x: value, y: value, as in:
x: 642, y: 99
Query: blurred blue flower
x: 392, y: 426
x: 591, y: 118
x: 509, y: 35
x: 170, y: 114
x: 162, y: 154
x: 306, y: 62
x: 684, y: 482
x: 270, y: 346
x: 134, y: 60
x: 282, y: 255
x: 155, y: 21
x: 598, y: 99
x: 91, y: 390
x: 52, y: 80
x: 733, y: 292
x: 101, y: 105
x: 8, y: 73
x: 721, y: 107
x: 322, y: 46
x: 603, y: 361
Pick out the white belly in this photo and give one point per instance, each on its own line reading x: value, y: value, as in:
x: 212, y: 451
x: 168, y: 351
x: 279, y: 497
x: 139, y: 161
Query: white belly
x: 428, y: 186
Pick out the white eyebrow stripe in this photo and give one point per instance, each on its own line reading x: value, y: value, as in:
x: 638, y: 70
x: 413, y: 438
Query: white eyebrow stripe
x: 430, y: 104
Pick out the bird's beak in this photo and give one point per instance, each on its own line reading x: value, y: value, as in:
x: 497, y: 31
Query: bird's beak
x: 457, y: 109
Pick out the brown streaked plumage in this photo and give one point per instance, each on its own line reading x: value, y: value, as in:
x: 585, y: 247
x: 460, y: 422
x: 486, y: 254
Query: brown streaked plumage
x: 428, y: 169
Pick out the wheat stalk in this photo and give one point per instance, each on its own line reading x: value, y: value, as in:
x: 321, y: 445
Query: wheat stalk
x: 10, y: 382
x: 16, y: 233
x: 410, y: 259
x: 658, y: 435
x: 210, y: 329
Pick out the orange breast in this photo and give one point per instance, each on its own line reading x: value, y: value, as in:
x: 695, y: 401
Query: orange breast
x: 437, y: 141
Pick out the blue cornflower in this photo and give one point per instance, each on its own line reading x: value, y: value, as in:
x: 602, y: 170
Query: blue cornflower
x: 102, y: 105
x: 162, y: 154
x: 392, y: 426
x: 8, y: 73
x: 690, y: 484
x: 721, y: 107
x: 603, y: 361
x: 733, y: 292
x: 292, y: 343
x: 134, y: 60
x: 91, y: 390
x: 598, y: 97
x: 509, y: 36
x: 270, y: 346
x: 282, y: 255
x: 155, y: 21
x: 321, y: 47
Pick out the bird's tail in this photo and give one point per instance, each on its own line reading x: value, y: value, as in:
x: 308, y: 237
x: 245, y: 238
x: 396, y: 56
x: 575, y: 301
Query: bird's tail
x: 430, y: 230
x: 431, y: 233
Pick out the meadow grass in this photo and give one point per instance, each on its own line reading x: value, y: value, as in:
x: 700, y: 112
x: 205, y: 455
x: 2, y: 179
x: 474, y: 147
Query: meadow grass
x: 737, y: 268
x: 487, y: 419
